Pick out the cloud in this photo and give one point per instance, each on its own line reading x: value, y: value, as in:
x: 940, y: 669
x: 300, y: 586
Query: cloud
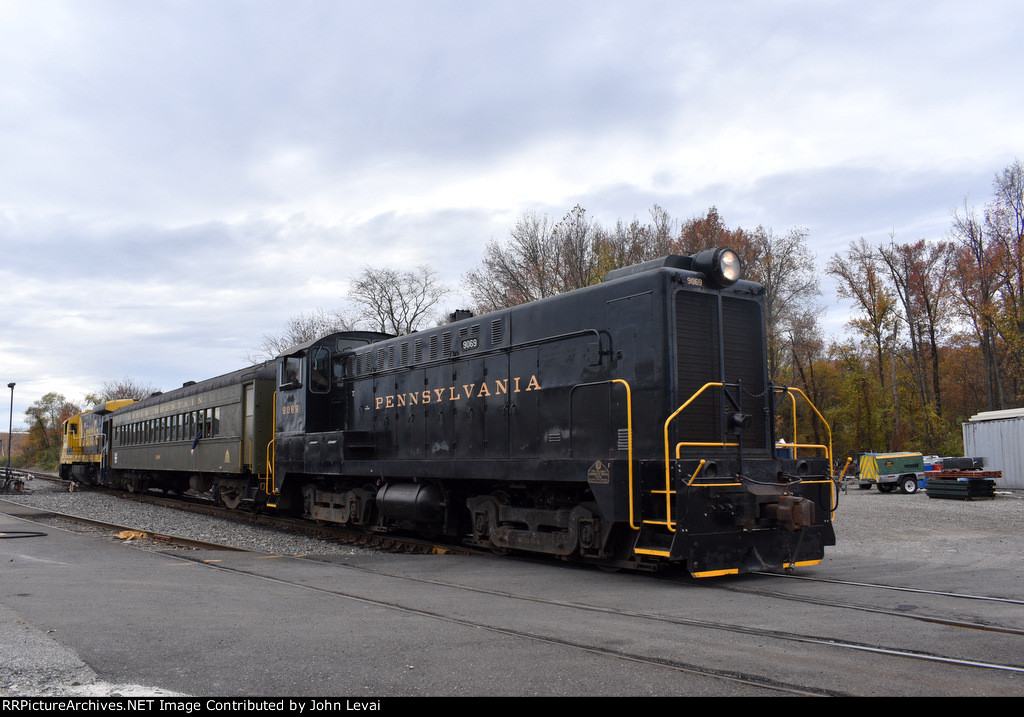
x: 179, y: 178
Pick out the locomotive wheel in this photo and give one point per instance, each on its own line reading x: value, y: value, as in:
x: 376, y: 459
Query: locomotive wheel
x: 231, y: 498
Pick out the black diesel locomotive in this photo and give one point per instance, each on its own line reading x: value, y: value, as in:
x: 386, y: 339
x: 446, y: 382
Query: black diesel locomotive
x: 631, y: 423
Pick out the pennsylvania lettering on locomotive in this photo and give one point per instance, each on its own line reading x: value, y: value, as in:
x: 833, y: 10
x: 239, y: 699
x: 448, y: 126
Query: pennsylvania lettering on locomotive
x: 480, y: 389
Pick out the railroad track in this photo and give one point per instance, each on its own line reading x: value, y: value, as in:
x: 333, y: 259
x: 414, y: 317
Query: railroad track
x: 203, y: 506
x: 778, y: 640
x: 951, y: 650
x: 124, y: 532
x: 937, y: 618
x: 680, y: 666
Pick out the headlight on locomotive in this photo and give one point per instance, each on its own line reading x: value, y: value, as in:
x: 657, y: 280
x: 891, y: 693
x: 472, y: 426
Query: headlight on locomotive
x: 721, y: 266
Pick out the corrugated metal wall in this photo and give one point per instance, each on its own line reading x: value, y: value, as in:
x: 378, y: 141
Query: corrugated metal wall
x: 998, y: 437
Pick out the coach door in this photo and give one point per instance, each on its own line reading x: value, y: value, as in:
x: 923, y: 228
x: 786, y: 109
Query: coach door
x: 249, y: 426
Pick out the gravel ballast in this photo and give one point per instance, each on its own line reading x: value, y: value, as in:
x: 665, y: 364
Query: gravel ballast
x: 51, y: 496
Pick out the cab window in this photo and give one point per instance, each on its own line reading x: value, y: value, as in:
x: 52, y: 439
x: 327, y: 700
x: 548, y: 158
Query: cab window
x: 320, y: 371
x: 291, y: 372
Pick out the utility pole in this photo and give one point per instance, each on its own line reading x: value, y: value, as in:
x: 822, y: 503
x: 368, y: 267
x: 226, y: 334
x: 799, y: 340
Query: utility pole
x: 10, y: 438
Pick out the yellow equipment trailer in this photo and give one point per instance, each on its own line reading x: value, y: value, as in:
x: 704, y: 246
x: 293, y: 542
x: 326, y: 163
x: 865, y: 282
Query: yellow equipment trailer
x: 891, y: 470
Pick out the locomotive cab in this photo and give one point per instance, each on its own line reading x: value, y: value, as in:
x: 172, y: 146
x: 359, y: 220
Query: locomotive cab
x: 311, y: 398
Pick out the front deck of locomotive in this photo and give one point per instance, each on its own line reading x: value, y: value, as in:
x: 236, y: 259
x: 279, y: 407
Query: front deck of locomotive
x: 724, y: 501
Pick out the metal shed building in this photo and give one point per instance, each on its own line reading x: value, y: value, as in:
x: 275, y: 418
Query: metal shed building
x: 998, y: 437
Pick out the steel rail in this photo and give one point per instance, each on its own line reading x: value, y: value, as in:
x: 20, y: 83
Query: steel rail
x: 898, y: 588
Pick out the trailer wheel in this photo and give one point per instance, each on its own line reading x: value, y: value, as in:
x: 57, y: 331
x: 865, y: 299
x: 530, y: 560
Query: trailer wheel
x: 886, y: 487
x: 908, y: 484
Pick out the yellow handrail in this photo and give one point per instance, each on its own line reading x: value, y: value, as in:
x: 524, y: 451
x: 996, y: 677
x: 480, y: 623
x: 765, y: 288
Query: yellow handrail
x: 828, y: 449
x: 849, y: 460
x: 669, y: 524
x: 807, y: 445
x: 270, y: 483
x: 689, y: 483
x: 668, y: 472
x: 629, y: 444
x: 792, y: 398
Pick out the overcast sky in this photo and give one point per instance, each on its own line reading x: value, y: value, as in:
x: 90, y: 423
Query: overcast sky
x: 178, y: 178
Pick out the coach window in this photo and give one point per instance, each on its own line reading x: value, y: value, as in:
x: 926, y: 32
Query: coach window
x: 320, y: 371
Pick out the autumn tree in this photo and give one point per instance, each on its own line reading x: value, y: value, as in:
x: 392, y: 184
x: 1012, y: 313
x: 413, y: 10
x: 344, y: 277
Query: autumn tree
x: 387, y: 300
x: 805, y: 361
x: 517, y: 271
x: 574, y: 239
x: 540, y: 258
x: 397, y: 302
x: 1005, y: 227
x: 537, y: 260
x: 861, y: 414
x: 860, y: 280
x: 785, y: 267
x: 45, y: 418
x: 125, y: 387
x: 920, y: 275
x: 709, y: 231
x: 635, y: 242
x: 976, y: 288
x: 298, y: 330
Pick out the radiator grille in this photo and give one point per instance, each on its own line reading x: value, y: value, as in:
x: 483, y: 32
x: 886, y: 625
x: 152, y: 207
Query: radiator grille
x: 719, y: 341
